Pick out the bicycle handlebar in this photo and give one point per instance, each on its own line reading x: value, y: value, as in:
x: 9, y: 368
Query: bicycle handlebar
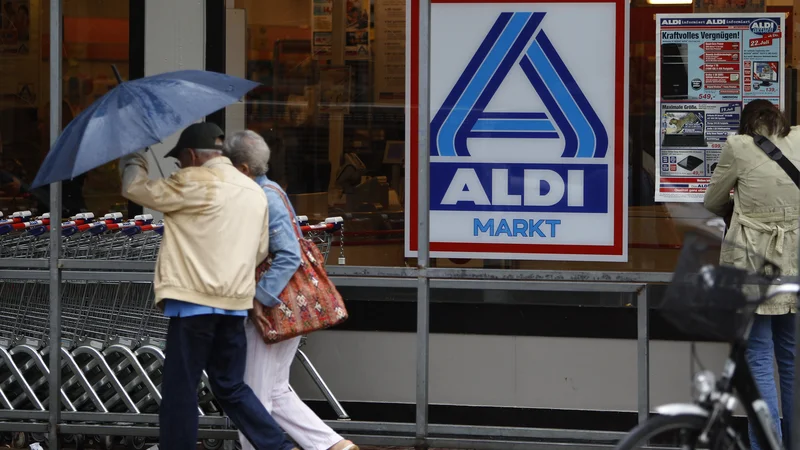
x: 780, y: 289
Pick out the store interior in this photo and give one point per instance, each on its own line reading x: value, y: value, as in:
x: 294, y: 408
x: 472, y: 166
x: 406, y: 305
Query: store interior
x: 332, y: 113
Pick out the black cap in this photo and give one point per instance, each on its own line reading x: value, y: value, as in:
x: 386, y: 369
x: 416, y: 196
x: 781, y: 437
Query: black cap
x: 201, y: 135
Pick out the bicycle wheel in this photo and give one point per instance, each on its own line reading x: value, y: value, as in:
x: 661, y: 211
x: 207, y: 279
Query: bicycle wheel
x: 674, y: 431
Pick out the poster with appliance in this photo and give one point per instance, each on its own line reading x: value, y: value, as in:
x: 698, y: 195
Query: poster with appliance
x: 708, y: 68
x: 528, y: 130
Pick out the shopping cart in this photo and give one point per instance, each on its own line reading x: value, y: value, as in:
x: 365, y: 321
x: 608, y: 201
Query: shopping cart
x: 113, y: 338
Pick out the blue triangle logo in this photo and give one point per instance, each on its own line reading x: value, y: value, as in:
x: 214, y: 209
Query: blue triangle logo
x: 517, y: 38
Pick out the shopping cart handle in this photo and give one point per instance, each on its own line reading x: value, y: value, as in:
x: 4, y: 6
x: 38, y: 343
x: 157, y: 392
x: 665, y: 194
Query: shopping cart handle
x: 130, y: 231
x: 143, y: 219
x: 5, y: 229
x: 98, y: 229
x: 113, y: 217
x: 21, y: 216
x: 37, y: 231
x: 159, y: 229
x: 68, y: 231
x: 84, y: 217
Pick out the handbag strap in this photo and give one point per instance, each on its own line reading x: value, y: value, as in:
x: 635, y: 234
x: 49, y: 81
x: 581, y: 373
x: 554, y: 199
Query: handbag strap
x: 288, y: 208
x: 777, y: 155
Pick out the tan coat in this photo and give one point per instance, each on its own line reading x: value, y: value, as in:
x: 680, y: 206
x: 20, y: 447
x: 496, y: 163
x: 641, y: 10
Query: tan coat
x: 215, y: 231
x: 767, y: 205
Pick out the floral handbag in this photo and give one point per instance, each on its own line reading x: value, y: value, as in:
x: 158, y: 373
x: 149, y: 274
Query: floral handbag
x: 310, y: 302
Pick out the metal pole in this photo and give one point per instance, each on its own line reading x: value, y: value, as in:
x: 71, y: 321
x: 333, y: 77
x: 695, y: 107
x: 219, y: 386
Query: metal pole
x: 54, y: 403
x: 794, y: 442
x: 643, y: 354
x: 423, y: 225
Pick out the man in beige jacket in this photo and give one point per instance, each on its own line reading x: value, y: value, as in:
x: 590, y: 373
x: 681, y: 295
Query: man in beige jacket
x: 215, y: 232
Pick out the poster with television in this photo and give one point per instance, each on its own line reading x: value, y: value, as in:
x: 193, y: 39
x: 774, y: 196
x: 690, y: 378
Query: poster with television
x: 707, y: 68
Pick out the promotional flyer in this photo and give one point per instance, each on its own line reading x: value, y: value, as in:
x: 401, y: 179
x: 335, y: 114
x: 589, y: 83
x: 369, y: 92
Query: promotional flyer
x: 709, y: 67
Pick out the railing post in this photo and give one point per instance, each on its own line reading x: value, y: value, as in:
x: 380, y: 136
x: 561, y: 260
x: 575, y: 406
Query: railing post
x: 54, y: 403
x: 643, y: 354
x: 423, y: 238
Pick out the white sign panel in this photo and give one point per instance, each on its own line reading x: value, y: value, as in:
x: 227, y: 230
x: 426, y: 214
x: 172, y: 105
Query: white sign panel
x: 528, y: 130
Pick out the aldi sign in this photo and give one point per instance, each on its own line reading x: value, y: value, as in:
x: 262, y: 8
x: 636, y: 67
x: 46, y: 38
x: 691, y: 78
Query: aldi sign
x: 528, y: 130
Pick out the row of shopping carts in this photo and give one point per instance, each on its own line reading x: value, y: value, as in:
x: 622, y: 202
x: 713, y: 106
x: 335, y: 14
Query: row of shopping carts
x: 113, y: 339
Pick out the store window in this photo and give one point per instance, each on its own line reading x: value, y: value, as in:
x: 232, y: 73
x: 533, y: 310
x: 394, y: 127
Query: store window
x: 331, y: 107
x: 96, y: 35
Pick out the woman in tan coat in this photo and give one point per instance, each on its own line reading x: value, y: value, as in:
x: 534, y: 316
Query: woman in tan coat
x: 766, y: 204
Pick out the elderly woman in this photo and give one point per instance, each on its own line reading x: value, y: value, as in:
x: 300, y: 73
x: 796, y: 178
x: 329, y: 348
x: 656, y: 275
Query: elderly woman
x: 764, y: 223
x: 268, y: 365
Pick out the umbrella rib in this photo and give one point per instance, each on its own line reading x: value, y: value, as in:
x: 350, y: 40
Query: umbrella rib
x: 146, y: 118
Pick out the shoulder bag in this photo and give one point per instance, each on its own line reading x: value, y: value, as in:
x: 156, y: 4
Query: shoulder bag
x: 310, y: 301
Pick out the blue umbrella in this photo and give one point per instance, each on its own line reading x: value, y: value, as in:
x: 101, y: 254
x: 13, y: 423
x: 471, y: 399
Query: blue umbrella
x: 135, y: 115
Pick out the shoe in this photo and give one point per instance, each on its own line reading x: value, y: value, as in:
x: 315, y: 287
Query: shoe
x: 349, y: 446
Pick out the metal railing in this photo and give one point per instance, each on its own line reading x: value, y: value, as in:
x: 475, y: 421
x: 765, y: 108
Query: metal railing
x: 421, y: 433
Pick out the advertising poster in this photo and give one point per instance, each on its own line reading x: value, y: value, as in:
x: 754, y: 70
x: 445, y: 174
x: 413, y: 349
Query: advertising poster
x: 322, y: 25
x: 709, y: 67
x: 334, y: 87
x: 357, y: 39
x: 528, y: 130
x: 390, y: 51
x: 15, y: 27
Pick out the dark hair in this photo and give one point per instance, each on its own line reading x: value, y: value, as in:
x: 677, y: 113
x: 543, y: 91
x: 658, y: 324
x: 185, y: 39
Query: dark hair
x: 760, y: 116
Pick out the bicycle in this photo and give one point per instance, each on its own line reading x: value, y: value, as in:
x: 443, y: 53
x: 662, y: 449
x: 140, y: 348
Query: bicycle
x: 717, y: 302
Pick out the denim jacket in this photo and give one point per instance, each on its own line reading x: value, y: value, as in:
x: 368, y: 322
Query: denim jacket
x: 283, y: 246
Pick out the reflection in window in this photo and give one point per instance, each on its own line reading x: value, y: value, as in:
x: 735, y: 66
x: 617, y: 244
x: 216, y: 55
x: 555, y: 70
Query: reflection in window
x: 95, y: 37
x: 332, y: 111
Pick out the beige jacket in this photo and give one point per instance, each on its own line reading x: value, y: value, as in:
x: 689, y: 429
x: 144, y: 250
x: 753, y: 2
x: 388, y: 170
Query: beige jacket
x: 215, y: 231
x: 766, y: 208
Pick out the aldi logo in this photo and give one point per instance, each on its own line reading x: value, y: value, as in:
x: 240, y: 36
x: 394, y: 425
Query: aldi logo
x: 527, y: 137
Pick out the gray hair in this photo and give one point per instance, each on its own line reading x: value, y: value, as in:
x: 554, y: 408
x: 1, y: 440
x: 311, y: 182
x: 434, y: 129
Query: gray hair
x: 248, y: 147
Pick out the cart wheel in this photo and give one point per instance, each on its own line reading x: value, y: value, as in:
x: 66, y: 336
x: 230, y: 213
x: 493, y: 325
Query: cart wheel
x: 136, y: 442
x: 19, y: 440
x: 106, y: 442
x: 79, y: 441
x: 212, y: 444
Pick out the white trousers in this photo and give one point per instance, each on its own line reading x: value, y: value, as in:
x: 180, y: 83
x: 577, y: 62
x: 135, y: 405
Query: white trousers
x: 267, y: 373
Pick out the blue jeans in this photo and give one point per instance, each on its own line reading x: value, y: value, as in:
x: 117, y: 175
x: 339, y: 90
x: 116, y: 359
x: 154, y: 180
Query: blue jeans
x: 216, y: 343
x: 773, y: 335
